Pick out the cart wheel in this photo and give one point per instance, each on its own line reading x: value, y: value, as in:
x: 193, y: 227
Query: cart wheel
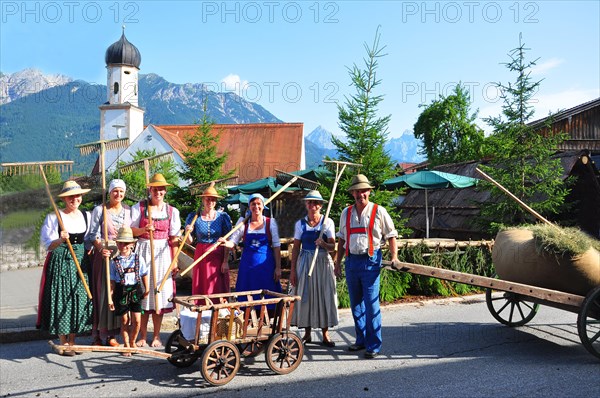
x: 252, y: 349
x: 220, y: 362
x: 588, y: 322
x: 284, y: 353
x: 180, y: 356
x: 508, y: 303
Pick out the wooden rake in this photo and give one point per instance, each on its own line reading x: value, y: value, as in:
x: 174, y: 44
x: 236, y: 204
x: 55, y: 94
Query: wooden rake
x: 146, y: 162
x: 338, y: 174
x: 194, y: 190
x: 101, y: 147
x: 301, y: 182
x: 34, y: 168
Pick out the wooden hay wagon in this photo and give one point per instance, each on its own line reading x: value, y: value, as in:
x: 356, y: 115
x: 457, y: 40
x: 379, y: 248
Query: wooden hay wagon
x: 515, y: 304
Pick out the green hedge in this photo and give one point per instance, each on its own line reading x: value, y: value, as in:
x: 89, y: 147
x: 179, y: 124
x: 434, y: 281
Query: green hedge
x: 475, y: 260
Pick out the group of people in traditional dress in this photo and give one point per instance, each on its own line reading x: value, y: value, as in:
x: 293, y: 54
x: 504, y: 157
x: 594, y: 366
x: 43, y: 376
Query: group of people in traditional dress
x: 136, y: 269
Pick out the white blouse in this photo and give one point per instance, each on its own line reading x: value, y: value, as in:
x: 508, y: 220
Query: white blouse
x: 174, y: 226
x: 49, y: 232
x: 238, y: 235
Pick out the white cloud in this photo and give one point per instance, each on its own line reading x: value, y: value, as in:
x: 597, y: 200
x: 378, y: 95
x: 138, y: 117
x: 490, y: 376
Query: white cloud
x: 543, y: 68
x: 233, y: 83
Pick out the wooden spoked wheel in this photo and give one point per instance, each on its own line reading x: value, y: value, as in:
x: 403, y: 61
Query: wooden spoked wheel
x: 252, y: 349
x: 220, y: 362
x: 588, y: 322
x: 284, y: 353
x: 509, y: 308
x: 180, y: 355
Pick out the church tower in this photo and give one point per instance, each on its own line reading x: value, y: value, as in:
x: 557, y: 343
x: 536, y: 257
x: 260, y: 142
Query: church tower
x: 121, y: 116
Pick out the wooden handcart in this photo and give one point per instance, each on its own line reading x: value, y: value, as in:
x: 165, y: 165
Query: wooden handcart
x: 236, y: 328
x: 518, y: 303
x: 233, y: 329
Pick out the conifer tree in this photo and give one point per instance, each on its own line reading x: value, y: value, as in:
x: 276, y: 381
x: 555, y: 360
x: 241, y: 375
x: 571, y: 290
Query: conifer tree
x: 366, y: 134
x: 523, y: 158
x: 202, y: 162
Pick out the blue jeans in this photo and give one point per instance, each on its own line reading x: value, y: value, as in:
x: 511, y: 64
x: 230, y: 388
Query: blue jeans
x: 362, y: 277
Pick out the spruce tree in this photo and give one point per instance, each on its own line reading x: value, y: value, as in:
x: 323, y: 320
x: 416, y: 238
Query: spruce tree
x: 366, y: 134
x: 523, y: 158
x: 202, y: 163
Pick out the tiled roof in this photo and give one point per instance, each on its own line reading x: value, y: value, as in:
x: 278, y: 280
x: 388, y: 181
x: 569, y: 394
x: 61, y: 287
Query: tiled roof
x: 254, y: 150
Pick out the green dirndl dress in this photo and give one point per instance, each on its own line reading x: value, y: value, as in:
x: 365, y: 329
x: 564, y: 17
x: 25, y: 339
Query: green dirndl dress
x: 65, y: 306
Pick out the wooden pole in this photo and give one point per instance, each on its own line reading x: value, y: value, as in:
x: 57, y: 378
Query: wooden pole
x: 68, y: 242
x: 519, y: 201
x: 217, y: 244
x: 338, y: 175
x: 174, y: 261
x: 105, y: 225
x: 151, y: 234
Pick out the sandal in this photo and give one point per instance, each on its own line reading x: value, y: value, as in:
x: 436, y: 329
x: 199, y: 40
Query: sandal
x: 328, y: 343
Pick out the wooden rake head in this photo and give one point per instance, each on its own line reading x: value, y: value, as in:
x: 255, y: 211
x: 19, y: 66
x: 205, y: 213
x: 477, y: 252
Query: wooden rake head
x: 283, y: 177
x: 152, y: 160
x: 339, y: 163
x: 33, y: 168
x: 96, y: 146
x: 197, y: 189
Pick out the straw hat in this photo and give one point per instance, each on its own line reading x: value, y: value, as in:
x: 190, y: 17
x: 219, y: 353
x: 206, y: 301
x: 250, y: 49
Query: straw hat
x: 360, y: 181
x: 71, y: 188
x: 158, y: 180
x: 314, y: 195
x: 125, y: 235
x: 211, y: 192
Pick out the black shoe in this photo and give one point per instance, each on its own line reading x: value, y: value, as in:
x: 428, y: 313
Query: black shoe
x: 371, y: 354
x: 356, y: 347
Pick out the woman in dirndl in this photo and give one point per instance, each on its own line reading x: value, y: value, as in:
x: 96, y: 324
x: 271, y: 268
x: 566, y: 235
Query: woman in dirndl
x: 260, y: 264
x: 105, y: 323
x: 211, y: 275
x: 318, y: 305
x: 64, y: 307
x: 166, y: 226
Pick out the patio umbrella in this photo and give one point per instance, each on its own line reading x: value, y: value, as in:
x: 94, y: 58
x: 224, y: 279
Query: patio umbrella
x: 428, y: 179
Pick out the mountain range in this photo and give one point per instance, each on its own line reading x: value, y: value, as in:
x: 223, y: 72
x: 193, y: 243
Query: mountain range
x: 403, y: 149
x: 43, y: 117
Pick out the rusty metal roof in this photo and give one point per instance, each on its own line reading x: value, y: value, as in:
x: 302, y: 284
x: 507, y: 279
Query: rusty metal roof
x: 254, y: 150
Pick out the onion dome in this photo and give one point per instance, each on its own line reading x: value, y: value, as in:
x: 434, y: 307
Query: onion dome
x: 122, y: 52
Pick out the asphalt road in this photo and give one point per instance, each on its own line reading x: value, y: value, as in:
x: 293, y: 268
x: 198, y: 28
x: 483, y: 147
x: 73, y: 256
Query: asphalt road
x: 448, y: 348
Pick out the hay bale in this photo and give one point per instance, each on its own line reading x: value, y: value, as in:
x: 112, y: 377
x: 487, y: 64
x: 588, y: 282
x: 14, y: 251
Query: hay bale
x: 522, y: 256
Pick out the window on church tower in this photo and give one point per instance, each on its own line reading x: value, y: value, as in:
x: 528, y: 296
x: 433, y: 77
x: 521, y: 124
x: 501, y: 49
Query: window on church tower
x: 116, y: 87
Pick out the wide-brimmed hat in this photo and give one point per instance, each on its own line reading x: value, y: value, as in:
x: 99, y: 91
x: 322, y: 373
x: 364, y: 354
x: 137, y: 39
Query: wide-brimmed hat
x: 125, y: 235
x: 314, y: 195
x: 360, y: 181
x: 158, y: 180
x: 211, y: 192
x: 71, y: 188
x: 117, y: 183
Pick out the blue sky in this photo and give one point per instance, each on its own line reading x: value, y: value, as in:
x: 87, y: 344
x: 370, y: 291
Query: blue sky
x: 292, y: 56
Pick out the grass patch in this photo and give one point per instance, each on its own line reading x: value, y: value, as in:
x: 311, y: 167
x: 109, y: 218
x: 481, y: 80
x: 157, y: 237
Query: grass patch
x: 20, y: 219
